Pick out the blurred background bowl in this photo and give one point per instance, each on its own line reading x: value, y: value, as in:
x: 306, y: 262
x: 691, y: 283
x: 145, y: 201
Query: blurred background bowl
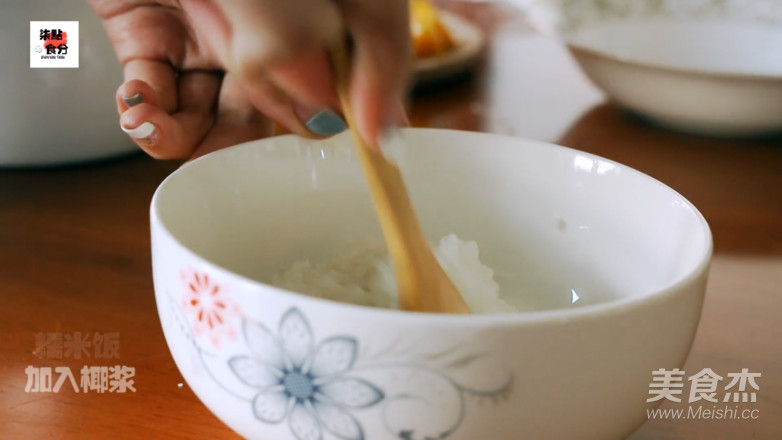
x: 57, y: 116
x: 470, y: 42
x: 706, y: 66
x: 551, y: 221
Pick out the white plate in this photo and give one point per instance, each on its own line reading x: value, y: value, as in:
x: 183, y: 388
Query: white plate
x: 469, y: 42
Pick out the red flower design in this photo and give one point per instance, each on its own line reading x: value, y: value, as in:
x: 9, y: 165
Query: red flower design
x: 209, y: 307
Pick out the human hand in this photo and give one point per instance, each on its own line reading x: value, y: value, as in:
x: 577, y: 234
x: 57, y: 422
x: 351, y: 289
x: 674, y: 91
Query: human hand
x: 201, y: 74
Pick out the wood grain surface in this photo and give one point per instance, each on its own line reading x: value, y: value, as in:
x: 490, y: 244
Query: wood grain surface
x: 75, y: 254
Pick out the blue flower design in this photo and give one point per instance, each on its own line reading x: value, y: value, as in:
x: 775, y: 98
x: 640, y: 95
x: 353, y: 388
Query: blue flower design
x: 305, y: 383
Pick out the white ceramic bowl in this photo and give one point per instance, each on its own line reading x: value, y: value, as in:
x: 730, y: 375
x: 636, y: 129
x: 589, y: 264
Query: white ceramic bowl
x: 695, y: 65
x: 273, y: 364
x: 57, y: 116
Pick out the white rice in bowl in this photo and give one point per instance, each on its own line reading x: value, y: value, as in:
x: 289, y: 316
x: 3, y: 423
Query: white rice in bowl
x: 363, y: 275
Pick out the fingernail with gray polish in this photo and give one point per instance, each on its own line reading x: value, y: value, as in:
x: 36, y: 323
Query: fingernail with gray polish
x: 130, y: 101
x: 326, y: 123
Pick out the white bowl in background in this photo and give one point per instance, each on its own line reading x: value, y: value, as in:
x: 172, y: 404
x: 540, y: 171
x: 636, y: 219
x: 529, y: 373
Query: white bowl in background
x: 273, y: 364
x: 57, y: 116
x: 695, y: 65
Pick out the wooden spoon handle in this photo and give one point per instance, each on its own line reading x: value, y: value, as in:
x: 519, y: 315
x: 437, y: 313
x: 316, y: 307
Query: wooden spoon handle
x: 421, y: 282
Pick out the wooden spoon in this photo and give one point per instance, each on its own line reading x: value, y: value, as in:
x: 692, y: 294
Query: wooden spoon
x: 422, y: 284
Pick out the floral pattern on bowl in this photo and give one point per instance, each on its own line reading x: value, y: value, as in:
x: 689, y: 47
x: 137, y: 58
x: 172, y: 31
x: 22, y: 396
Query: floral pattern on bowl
x: 318, y: 386
x: 305, y: 383
x: 209, y: 307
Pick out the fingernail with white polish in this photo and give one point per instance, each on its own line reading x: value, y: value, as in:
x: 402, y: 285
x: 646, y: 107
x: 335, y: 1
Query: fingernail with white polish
x: 130, y: 101
x: 144, y: 131
x: 326, y: 123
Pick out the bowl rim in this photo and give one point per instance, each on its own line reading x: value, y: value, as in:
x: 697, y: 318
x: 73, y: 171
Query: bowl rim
x: 578, y: 49
x: 567, y: 37
x: 523, y: 318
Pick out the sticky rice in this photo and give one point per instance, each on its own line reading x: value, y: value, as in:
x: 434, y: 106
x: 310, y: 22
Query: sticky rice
x: 363, y: 275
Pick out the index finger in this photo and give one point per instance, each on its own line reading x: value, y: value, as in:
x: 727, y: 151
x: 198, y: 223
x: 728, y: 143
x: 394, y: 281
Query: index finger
x: 381, y: 60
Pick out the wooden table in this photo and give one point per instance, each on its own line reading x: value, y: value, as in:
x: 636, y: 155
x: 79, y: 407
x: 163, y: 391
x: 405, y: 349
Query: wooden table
x: 75, y: 257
